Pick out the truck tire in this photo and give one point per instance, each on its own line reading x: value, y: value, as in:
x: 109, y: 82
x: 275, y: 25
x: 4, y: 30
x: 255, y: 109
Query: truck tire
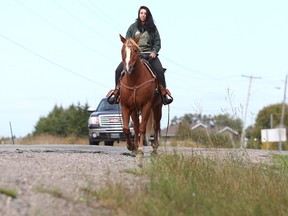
x: 93, y: 142
x: 108, y: 143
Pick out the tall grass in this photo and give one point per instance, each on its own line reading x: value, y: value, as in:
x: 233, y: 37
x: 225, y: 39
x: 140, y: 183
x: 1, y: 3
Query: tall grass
x: 50, y: 139
x: 199, y: 185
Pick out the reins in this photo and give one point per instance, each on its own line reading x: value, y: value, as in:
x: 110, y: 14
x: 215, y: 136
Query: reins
x: 134, y: 88
x: 138, y: 86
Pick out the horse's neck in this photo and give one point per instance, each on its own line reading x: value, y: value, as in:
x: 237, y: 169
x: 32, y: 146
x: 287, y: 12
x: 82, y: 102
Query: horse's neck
x: 140, y: 74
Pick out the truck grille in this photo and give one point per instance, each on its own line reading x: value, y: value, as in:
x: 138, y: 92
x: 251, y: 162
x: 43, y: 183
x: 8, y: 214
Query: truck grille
x: 112, y: 120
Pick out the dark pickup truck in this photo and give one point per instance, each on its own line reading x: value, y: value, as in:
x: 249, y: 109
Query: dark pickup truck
x: 105, y: 124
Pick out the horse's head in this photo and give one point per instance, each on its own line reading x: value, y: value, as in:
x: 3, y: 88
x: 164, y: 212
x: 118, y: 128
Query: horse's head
x: 130, y: 53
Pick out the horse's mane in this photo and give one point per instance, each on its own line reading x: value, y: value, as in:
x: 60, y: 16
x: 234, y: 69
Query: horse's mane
x: 133, y: 42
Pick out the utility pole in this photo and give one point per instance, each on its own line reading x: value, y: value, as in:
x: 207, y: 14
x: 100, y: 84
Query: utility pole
x: 282, y: 115
x: 12, y: 136
x: 243, y: 134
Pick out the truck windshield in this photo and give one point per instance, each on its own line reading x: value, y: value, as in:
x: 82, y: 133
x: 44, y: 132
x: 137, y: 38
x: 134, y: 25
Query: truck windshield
x: 105, y: 106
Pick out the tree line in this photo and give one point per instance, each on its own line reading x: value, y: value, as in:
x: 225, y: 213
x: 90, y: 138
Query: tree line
x: 64, y: 122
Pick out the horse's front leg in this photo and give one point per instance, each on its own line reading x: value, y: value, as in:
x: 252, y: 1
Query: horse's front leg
x: 126, y: 128
x: 142, y: 129
x: 135, y: 119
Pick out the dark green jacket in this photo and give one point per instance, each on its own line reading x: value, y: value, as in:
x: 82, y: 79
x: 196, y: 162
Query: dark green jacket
x: 155, y: 39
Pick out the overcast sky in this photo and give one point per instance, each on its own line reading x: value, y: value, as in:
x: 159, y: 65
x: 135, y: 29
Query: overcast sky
x: 65, y: 52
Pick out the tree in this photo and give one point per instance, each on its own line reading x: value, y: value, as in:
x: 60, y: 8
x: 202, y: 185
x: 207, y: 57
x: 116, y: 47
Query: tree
x: 64, y: 122
x: 263, y: 119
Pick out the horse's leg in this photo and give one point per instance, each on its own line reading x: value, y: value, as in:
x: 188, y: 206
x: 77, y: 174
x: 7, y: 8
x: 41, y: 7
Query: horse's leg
x: 157, y: 118
x: 142, y: 128
x: 135, y: 119
x: 126, y: 128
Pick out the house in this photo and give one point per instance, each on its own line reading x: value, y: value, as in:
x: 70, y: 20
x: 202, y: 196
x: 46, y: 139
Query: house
x: 230, y: 132
x: 199, y: 125
x: 172, y: 130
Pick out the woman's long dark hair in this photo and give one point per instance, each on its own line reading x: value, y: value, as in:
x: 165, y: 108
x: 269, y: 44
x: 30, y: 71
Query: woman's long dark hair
x: 149, y: 25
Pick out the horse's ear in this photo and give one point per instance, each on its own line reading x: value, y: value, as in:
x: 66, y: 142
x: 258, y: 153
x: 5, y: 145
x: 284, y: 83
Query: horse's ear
x: 122, y: 38
x: 137, y: 39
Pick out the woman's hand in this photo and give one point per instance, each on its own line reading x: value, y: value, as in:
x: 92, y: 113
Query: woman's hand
x: 152, y: 55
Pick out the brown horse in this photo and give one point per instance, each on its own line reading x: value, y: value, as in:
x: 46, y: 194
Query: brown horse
x: 139, y: 96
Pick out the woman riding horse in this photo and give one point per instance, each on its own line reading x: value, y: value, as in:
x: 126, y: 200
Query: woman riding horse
x: 150, y: 44
x: 139, y: 97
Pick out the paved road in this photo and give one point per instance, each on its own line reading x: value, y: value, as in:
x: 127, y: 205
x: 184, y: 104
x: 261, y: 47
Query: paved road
x: 77, y: 148
x: 62, y: 148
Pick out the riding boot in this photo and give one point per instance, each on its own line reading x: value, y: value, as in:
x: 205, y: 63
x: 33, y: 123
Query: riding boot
x: 166, y: 96
x: 113, y: 96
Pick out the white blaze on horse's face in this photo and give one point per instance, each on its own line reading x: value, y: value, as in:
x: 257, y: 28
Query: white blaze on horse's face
x: 127, y: 60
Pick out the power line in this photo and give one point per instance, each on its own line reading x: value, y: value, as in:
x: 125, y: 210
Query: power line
x: 87, y: 46
x: 83, y: 23
x: 195, y: 73
x: 111, y: 21
x: 50, y: 61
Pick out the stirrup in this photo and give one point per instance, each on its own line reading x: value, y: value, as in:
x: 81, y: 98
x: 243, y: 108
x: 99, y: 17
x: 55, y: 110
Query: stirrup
x: 166, y: 96
x: 166, y: 99
x: 109, y: 93
x: 113, y: 96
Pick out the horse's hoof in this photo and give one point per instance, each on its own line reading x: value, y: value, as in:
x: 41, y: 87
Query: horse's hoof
x: 155, y: 146
x: 133, y: 153
x: 131, y: 147
x: 154, y: 153
x: 140, y: 153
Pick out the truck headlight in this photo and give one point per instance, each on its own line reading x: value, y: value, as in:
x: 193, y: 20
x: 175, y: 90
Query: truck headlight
x: 94, y: 120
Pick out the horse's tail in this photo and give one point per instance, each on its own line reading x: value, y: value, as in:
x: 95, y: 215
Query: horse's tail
x: 149, y: 125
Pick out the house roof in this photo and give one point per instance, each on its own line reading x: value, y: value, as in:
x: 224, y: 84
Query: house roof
x: 199, y: 125
x: 172, y: 129
x: 228, y: 129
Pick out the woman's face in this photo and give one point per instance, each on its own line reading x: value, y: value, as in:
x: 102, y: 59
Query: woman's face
x: 142, y: 15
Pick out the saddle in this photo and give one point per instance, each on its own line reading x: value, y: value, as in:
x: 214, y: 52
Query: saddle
x: 145, y: 56
x: 145, y: 59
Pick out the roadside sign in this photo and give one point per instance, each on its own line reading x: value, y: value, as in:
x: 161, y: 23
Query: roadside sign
x: 273, y: 135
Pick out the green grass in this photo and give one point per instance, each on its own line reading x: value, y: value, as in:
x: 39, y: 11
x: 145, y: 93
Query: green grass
x: 197, y: 185
x: 9, y: 192
x: 281, y: 163
x: 53, y: 192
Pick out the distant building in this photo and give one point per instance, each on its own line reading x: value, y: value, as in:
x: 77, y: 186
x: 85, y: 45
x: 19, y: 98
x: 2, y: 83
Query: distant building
x: 199, y: 125
x: 172, y: 130
x: 230, y: 132
x: 170, y: 133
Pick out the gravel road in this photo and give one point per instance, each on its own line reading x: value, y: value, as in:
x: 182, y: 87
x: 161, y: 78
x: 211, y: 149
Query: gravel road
x: 53, y: 181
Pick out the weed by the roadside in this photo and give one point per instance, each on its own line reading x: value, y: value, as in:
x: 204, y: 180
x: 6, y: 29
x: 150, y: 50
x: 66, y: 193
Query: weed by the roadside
x: 281, y: 163
x: 53, y: 192
x: 9, y: 192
